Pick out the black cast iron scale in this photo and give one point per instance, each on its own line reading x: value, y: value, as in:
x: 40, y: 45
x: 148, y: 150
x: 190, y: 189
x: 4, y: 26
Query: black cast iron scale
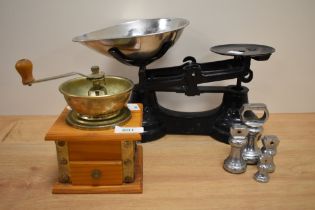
x: 140, y: 42
x: 186, y: 78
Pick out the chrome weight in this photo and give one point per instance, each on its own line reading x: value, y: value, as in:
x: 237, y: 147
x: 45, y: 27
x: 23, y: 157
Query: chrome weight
x: 270, y: 144
x: 235, y: 163
x: 248, y: 113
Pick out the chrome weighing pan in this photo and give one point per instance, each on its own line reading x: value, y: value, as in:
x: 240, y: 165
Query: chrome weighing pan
x: 139, y: 39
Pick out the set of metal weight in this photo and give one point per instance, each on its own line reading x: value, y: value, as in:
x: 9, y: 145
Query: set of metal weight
x: 244, y: 144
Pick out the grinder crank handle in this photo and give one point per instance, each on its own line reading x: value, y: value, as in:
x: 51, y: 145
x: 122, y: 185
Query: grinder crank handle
x: 25, y: 68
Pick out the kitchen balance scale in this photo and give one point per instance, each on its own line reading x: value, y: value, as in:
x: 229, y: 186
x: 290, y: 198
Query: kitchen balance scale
x: 139, y: 43
x: 92, y: 157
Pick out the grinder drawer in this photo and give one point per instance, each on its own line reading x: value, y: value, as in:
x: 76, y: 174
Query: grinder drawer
x: 96, y: 172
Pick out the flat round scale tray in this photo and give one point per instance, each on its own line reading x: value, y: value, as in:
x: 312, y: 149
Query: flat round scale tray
x: 250, y: 50
x: 74, y: 120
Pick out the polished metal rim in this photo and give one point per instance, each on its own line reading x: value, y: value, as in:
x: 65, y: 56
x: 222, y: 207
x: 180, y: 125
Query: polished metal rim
x: 118, y: 78
x: 115, y: 31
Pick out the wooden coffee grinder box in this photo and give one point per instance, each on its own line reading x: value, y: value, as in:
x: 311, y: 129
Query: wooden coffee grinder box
x: 97, y: 161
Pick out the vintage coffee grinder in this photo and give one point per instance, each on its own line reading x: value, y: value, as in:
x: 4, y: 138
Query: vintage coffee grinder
x: 92, y: 157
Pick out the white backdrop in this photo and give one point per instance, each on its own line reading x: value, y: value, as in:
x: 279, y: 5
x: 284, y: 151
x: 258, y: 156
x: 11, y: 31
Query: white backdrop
x: 42, y: 30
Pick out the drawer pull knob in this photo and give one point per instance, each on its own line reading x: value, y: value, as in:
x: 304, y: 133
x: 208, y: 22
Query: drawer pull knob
x: 96, y: 174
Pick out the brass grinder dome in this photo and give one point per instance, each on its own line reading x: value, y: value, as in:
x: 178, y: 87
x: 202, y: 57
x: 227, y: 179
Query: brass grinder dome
x: 97, y: 111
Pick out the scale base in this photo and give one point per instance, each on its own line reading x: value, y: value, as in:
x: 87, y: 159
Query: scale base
x: 74, y: 120
x: 159, y: 121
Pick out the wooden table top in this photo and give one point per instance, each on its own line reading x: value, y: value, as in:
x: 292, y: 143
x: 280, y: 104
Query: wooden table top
x: 180, y: 172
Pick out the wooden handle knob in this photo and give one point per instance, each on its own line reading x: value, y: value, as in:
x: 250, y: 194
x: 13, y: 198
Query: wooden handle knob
x: 25, y: 67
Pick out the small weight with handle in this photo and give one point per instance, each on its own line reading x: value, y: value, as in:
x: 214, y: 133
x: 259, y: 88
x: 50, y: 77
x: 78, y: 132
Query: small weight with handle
x: 235, y: 163
x: 251, y: 152
x: 270, y: 144
x: 262, y: 174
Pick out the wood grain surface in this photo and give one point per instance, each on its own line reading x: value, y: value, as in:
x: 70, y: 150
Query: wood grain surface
x: 88, y: 151
x: 180, y: 172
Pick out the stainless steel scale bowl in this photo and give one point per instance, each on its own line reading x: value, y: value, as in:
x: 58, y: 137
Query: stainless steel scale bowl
x: 138, y: 39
